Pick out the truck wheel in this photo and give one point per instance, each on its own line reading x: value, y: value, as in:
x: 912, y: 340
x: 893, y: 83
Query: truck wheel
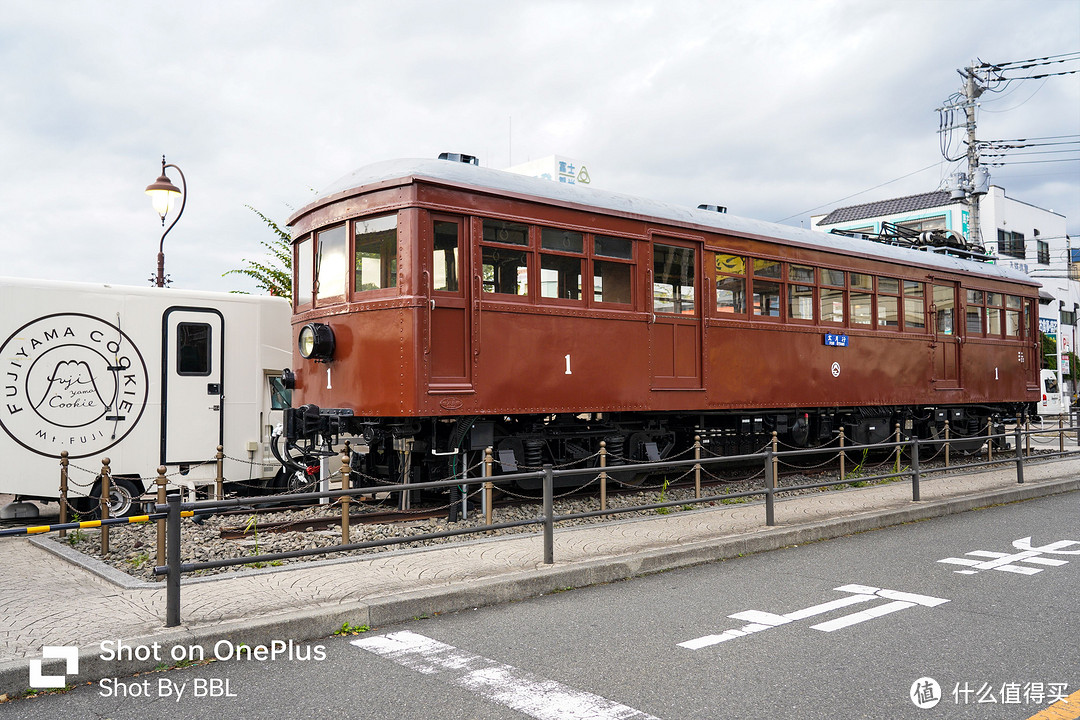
x: 122, y: 495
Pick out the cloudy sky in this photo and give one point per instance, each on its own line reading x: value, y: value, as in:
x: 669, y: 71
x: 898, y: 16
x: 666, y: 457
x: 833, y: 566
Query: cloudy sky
x: 773, y: 108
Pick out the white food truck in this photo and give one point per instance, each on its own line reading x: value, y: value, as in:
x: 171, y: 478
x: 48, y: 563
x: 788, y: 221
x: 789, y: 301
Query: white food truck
x: 143, y: 376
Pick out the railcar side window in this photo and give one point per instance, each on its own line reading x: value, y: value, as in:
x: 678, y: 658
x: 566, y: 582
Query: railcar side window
x: 861, y: 299
x: 505, y: 271
x: 613, y: 247
x: 302, y: 283
x: 560, y: 275
x: 993, y: 313
x: 612, y: 280
x: 730, y: 284
x: 766, y: 293
x: 914, y: 306
x: 888, y: 303
x: 1013, y: 305
x: 331, y: 267
x: 832, y: 296
x: 800, y: 297
x: 505, y: 232
x: 444, y: 265
x: 375, y: 253
x: 974, y: 312
x: 673, y: 280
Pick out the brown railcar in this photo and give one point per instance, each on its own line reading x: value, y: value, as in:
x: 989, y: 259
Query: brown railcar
x: 441, y: 307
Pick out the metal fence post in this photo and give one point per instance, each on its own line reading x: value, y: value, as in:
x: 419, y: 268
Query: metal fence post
x: 948, y: 444
x: 489, y: 467
x: 915, y: 492
x: 990, y: 439
x: 172, y: 582
x: 161, y: 498
x: 697, y: 467
x: 346, y: 470
x: 106, y: 491
x: 549, y: 516
x: 1027, y: 430
x: 843, y: 455
x: 219, y: 481
x: 896, y: 439
x: 63, y: 489
x: 770, y: 486
x: 1061, y: 434
x: 603, y: 475
x: 1019, y: 456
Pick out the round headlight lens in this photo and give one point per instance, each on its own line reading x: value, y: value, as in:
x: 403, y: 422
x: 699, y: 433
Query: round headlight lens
x: 307, y: 341
x: 316, y: 342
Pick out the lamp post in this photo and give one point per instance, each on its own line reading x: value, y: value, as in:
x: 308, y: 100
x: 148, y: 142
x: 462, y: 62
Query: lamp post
x: 163, y: 194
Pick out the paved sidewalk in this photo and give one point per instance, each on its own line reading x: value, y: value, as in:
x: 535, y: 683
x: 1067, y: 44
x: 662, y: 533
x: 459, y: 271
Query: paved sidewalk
x: 49, y: 599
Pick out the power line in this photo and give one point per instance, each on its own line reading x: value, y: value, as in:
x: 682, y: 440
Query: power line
x: 834, y: 202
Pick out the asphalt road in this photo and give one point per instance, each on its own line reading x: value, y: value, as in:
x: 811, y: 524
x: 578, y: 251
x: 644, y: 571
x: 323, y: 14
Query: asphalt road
x: 848, y: 628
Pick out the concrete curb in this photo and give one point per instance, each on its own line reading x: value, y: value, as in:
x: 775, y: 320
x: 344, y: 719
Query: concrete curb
x: 304, y: 626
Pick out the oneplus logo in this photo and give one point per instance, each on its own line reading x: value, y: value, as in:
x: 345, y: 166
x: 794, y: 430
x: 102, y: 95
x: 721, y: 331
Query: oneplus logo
x: 69, y: 654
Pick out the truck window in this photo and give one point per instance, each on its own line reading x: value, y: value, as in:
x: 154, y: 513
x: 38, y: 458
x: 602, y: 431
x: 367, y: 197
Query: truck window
x: 280, y: 397
x: 193, y: 349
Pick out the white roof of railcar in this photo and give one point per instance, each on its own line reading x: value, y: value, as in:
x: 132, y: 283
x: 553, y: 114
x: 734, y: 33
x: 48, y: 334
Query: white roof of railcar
x: 587, y: 197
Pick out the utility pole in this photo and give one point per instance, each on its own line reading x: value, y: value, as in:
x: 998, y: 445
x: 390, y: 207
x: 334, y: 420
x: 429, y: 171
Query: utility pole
x: 972, y: 91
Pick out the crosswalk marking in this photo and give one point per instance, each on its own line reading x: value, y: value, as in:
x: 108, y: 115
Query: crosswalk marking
x: 499, y: 683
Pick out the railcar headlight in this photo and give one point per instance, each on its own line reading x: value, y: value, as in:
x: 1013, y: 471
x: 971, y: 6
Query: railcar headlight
x: 316, y: 342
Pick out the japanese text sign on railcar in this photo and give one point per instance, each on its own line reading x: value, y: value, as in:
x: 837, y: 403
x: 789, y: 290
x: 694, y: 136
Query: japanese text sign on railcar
x: 836, y: 340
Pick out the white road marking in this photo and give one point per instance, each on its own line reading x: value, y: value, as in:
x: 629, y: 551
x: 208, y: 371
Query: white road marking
x: 502, y: 684
x: 1006, y: 562
x: 759, y: 620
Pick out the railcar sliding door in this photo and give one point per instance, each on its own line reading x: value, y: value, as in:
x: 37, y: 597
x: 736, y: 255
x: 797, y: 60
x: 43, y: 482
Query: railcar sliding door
x: 946, y: 329
x: 675, y: 334
x: 449, y: 336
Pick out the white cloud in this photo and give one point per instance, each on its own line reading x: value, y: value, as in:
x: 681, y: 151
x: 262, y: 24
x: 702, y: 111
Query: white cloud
x: 771, y: 108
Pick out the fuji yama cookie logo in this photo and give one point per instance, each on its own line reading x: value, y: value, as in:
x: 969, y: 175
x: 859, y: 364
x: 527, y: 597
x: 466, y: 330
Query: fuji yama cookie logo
x: 71, y: 382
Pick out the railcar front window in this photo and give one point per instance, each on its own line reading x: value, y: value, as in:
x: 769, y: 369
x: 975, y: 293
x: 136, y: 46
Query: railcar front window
x: 331, y: 267
x: 303, y: 281
x: 673, y: 280
x: 375, y: 253
x: 505, y: 271
x: 444, y: 265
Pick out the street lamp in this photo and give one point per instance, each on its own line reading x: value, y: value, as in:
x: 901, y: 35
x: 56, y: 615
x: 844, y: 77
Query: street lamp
x: 163, y: 194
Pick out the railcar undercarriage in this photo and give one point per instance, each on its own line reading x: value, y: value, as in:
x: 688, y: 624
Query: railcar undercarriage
x: 396, y: 450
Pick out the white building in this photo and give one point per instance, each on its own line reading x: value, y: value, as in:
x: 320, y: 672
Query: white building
x: 1021, y: 235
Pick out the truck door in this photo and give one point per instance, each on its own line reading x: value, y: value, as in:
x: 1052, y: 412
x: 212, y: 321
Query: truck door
x: 192, y: 393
